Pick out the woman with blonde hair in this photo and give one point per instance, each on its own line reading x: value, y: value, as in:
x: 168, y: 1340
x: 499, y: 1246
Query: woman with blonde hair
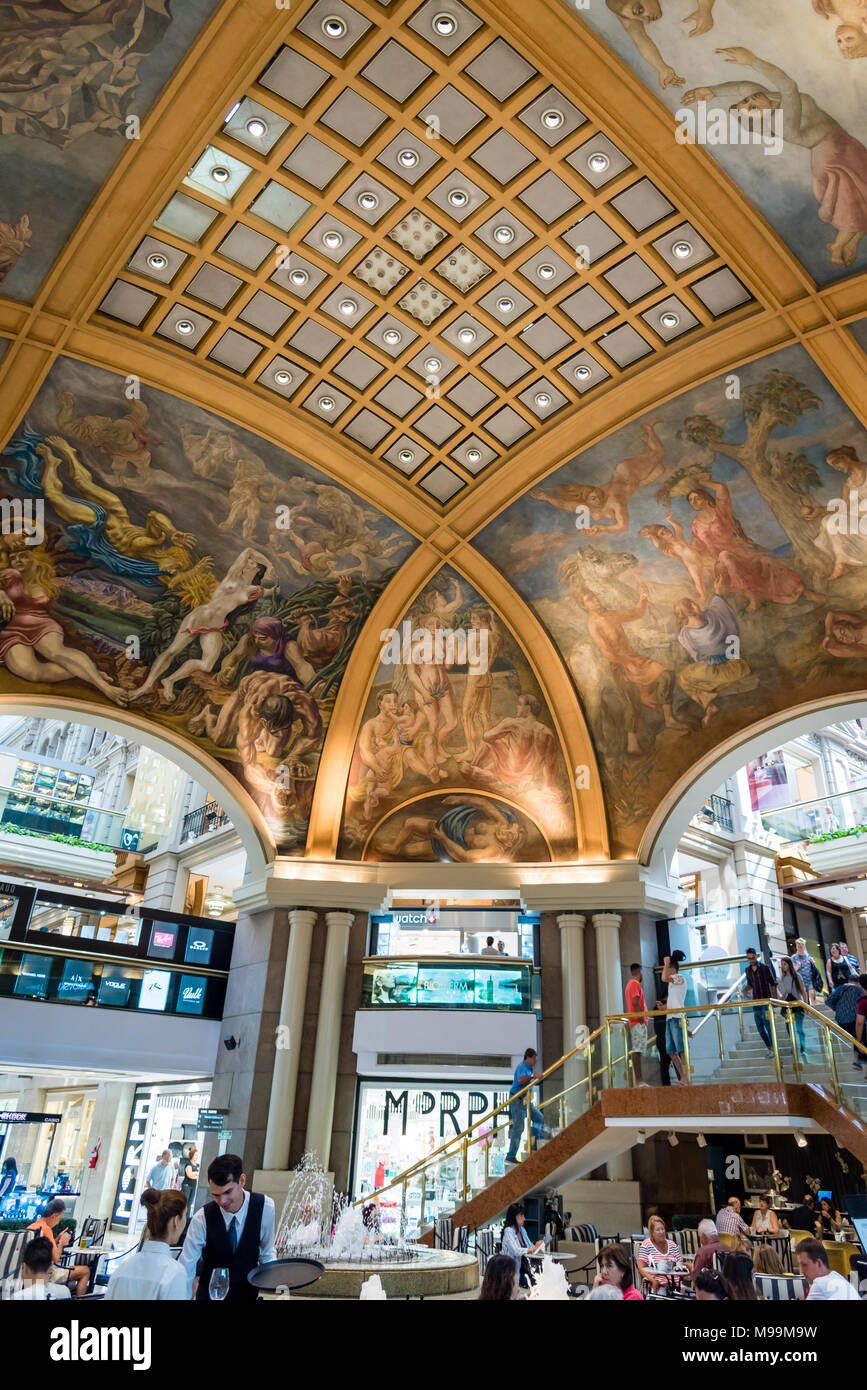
x: 153, y: 1274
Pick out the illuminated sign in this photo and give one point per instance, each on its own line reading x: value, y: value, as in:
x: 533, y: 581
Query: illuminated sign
x: 154, y: 991
x: 191, y: 994
x: 162, y: 940
x: 28, y: 1117
x: 200, y: 941
x: 114, y: 986
x: 76, y: 982
x: 132, y: 1157
x: 32, y: 977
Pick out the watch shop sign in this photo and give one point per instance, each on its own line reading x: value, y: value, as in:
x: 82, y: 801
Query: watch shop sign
x: 132, y: 1157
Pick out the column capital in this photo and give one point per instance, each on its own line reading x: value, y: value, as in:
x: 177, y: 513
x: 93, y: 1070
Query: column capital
x: 302, y: 916
x: 337, y: 919
x: 571, y: 919
x: 607, y: 919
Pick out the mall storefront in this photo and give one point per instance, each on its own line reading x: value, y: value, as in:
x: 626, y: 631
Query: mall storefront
x: 163, y: 1116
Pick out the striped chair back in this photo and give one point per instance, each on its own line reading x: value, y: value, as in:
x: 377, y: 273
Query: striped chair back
x: 778, y: 1288
x: 586, y: 1234
x: 443, y: 1233
x: 687, y: 1241
x: 486, y: 1248
x: 783, y: 1246
x: 12, y: 1245
x: 461, y: 1239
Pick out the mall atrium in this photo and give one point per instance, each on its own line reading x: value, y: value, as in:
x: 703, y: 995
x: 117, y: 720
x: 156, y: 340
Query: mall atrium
x: 433, y: 643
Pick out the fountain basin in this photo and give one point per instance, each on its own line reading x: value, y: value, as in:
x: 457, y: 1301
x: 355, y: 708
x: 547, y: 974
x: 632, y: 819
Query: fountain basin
x: 430, y: 1273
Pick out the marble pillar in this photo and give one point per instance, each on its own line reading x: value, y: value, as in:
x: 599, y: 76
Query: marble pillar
x: 606, y: 926
x: 278, y: 1131
x: 320, y: 1113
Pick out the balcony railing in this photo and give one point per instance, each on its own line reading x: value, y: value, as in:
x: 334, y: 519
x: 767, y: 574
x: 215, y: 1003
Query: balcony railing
x: 717, y: 810
x: 203, y: 821
x: 842, y: 814
x: 33, y: 813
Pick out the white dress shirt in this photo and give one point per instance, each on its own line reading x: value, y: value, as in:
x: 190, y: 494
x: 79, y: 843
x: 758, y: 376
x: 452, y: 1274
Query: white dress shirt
x: 835, y: 1287
x: 152, y: 1274
x: 37, y: 1290
x: 197, y: 1234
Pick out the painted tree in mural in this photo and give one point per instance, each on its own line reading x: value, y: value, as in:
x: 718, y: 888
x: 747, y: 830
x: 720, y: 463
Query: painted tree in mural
x: 785, y: 481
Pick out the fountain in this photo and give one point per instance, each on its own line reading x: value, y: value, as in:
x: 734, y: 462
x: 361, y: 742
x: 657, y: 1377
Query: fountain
x: 551, y: 1283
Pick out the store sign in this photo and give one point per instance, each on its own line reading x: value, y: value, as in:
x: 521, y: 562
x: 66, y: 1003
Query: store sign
x: 129, y: 840
x: 191, y: 994
x: 154, y: 991
x: 114, y: 986
x: 162, y: 940
x: 426, y: 917
x: 28, y: 1117
x: 454, y: 1111
x: 32, y: 977
x: 132, y: 1158
x: 210, y: 1120
x: 76, y: 982
x: 200, y: 941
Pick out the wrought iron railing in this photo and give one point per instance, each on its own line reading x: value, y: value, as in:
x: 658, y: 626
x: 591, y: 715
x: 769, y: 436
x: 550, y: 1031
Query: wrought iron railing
x: 202, y: 821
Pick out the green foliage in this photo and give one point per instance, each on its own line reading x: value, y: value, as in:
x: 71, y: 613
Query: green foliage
x: 836, y: 834
x: 62, y: 839
x: 701, y: 429
x: 786, y: 396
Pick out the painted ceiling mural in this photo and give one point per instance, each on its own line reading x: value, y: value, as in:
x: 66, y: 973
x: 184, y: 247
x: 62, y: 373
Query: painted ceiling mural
x: 803, y: 59
x: 693, y: 575
x: 455, y: 705
x: 169, y: 563
x: 72, y: 74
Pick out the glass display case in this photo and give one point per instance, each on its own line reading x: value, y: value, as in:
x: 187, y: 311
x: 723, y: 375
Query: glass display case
x: 480, y: 982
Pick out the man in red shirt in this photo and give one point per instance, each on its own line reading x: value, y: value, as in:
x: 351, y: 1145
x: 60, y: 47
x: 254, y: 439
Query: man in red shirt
x: 635, y: 1006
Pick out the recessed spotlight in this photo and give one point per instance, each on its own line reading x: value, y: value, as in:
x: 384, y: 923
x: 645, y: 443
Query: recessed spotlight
x: 220, y: 174
x: 599, y: 162
x: 157, y: 261
x: 282, y: 378
x: 326, y: 403
x: 408, y: 158
x: 553, y: 119
x: 850, y: 888
x: 505, y: 306
x: 433, y: 364
x: 298, y: 277
x: 701, y: 1141
x: 458, y: 197
x: 333, y: 26
x: 348, y: 307
x: 473, y: 455
x: 368, y: 201
x: 543, y: 400
x: 641, y: 1135
x: 332, y: 240
x: 682, y: 249
x: 406, y: 455
x: 800, y: 1139
x: 546, y: 272
x: 444, y: 24
x: 392, y: 337
x: 256, y: 127
x: 467, y: 336
x: 583, y: 373
x: 673, y: 1139
x: 504, y: 234
x: 669, y: 320
x: 185, y: 326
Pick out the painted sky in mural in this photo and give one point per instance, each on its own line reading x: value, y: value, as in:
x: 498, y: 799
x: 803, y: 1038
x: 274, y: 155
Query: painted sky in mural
x: 188, y: 571
x: 71, y: 73
x: 706, y: 584
x: 811, y: 56
x: 470, y: 717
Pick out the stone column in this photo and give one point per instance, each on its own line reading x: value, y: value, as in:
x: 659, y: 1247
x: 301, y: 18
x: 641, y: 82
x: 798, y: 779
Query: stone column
x: 571, y: 926
x: 278, y: 1132
x: 320, y: 1114
x: 607, y: 928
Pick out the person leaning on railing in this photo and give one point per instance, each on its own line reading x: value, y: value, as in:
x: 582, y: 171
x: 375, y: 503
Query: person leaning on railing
x: 845, y: 1001
x: 791, y: 987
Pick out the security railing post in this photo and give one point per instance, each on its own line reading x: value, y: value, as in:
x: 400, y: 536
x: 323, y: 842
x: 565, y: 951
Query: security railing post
x: 790, y: 1020
x: 832, y: 1064
x: 684, y: 1019
x: 778, y: 1065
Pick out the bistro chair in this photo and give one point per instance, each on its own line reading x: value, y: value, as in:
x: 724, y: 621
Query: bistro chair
x: 687, y: 1241
x: 777, y: 1288
x: 838, y: 1255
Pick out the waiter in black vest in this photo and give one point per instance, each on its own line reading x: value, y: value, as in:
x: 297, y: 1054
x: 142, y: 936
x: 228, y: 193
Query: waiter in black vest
x: 234, y: 1231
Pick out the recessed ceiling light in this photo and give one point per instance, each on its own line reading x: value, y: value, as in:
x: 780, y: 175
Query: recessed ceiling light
x: 504, y: 234
x: 220, y: 174
x: 669, y: 320
x: 348, y: 307
x: 332, y: 240
x: 157, y: 261
x: 599, y: 162
x: 682, y: 249
x: 467, y: 335
x: 333, y: 26
x: 231, y: 113
x: 583, y: 373
x: 542, y: 400
x: 850, y: 888
x: 432, y: 364
x: 406, y: 455
x: 552, y: 119
x: 298, y: 277
x: 185, y: 326
x: 445, y: 24
x: 505, y: 306
x: 256, y: 127
x: 546, y: 272
x: 282, y: 378
x: 408, y: 158
x: 473, y: 455
x: 326, y: 403
x: 392, y: 337
x: 458, y: 197
x: 368, y: 201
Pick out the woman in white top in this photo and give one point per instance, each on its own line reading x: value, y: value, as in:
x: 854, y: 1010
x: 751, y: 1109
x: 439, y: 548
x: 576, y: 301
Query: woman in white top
x: 765, y: 1220
x: 674, y: 1026
x: 153, y: 1273
x: 516, y: 1243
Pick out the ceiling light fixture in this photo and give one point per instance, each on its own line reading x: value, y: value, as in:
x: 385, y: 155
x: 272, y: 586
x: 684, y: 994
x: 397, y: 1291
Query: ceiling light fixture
x: 458, y: 197
x: 598, y: 162
x: 256, y: 127
x: 333, y: 240
x: 467, y: 336
x: 220, y: 174
x: 583, y: 373
x: 701, y: 1141
x: 392, y: 337
x: 546, y: 272
x: 473, y: 455
x: 641, y: 1135
x: 543, y: 400
x: 553, y: 119
x: 682, y: 249
x: 348, y: 307
x: 185, y: 326
x: 333, y: 26
x: 368, y: 201
x: 406, y: 455
x: 673, y: 1139
x: 298, y: 277
x: 231, y: 113
x: 282, y: 378
x: 433, y: 364
x: 850, y: 888
x: 505, y: 306
x: 669, y: 320
x: 326, y: 403
x: 800, y: 1139
x: 445, y: 24
x: 504, y: 234
x: 157, y: 261
x: 408, y: 158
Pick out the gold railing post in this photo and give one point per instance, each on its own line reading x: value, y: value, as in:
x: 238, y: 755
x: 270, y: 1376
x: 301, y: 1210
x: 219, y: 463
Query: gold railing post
x: 629, y: 1069
x: 687, y: 1066
x: 719, y: 1031
x: 466, y: 1149
x: 403, y: 1204
x: 741, y: 1021
x: 608, y: 1069
x: 529, y: 1123
x: 778, y: 1065
x: 832, y: 1065
x: 790, y: 1020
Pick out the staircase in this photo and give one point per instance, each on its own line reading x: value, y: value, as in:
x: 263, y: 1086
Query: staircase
x: 749, y: 1060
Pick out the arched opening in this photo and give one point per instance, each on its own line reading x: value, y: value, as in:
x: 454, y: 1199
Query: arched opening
x: 244, y: 814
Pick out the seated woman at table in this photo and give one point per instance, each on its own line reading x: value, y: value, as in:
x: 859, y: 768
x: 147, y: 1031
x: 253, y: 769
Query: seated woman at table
x: 615, y: 1269
x: 767, y: 1261
x: 765, y: 1220
x: 517, y: 1244
x: 828, y: 1221
x: 655, y: 1251
x: 737, y: 1278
